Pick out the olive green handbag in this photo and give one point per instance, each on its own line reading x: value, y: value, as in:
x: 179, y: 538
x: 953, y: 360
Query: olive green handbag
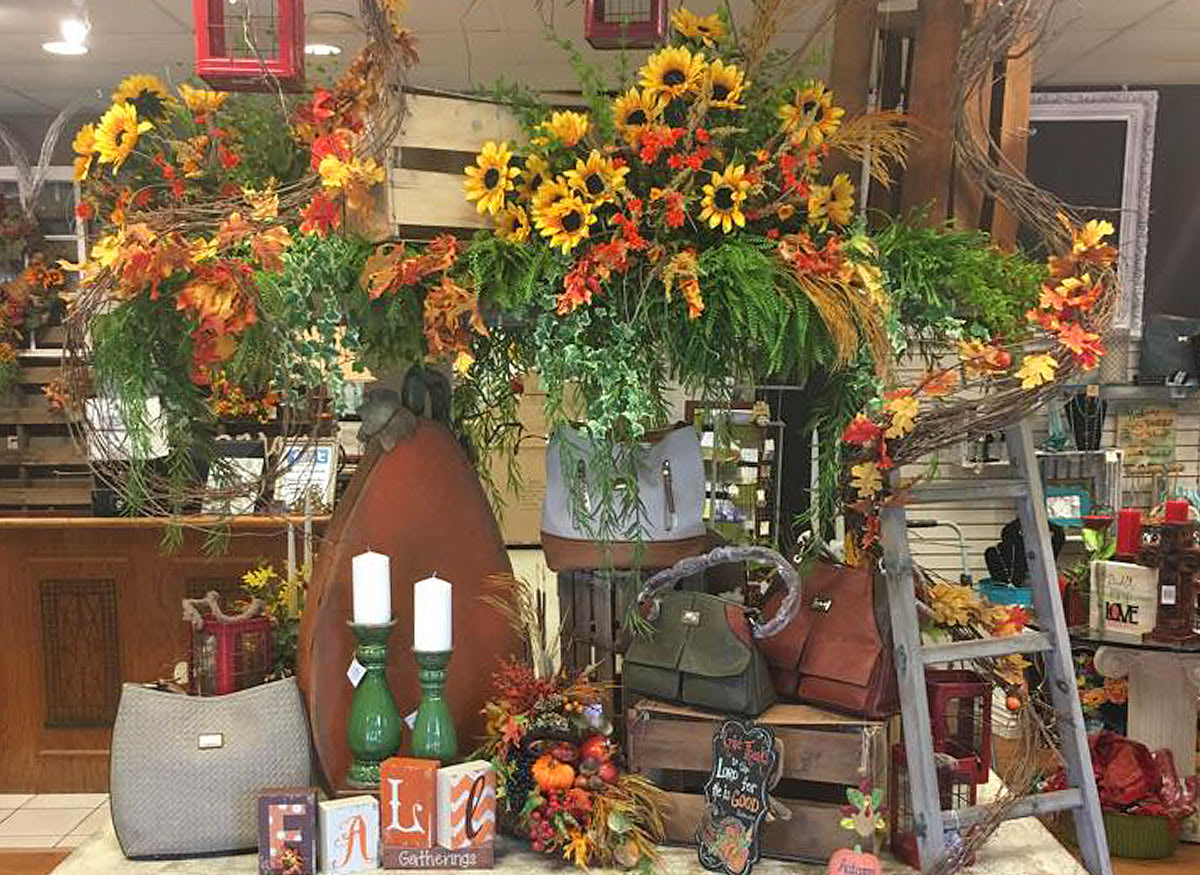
x: 701, y: 651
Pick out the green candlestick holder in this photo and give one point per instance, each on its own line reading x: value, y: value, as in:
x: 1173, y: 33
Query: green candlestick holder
x: 374, y: 725
x: 433, y: 733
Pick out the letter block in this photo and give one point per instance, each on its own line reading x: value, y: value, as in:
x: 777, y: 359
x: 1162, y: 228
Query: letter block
x: 466, y: 805
x: 349, y: 834
x: 408, y: 802
x: 287, y: 830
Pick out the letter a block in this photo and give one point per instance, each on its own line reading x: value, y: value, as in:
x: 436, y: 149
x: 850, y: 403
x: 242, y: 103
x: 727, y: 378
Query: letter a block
x: 466, y: 805
x: 407, y: 803
x: 349, y: 831
x: 287, y: 830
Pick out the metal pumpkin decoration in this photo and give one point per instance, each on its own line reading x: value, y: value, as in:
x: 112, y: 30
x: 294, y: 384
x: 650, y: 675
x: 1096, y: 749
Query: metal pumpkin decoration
x: 624, y: 24
x: 250, y: 45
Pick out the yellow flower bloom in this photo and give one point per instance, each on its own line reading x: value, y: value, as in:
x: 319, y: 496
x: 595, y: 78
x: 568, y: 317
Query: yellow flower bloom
x: 723, y: 198
x: 811, y: 117
x: 725, y: 83
x: 463, y: 362
x: 548, y: 194
x: 567, y: 127
x: 566, y: 222
x: 866, y: 479
x: 258, y: 579
x: 671, y: 72
x: 597, y: 179
x: 200, y: 101
x: 634, y: 111
x: 1090, y: 235
x: 533, y: 174
x: 118, y: 134
x: 834, y: 202
x: 512, y: 224
x: 147, y: 93
x: 709, y: 29
x: 490, y: 178
x: 1037, y: 370
x: 84, y: 145
x: 904, y: 414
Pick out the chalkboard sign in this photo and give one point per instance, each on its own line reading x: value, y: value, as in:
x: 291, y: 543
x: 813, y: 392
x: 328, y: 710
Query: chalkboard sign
x: 744, y: 761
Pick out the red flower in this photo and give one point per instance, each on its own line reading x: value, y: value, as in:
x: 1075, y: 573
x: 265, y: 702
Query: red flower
x: 629, y: 231
x: 701, y: 135
x: 228, y: 158
x: 321, y: 216
x: 675, y: 215
x: 654, y: 141
x: 85, y: 210
x: 336, y: 144
x: 862, y: 431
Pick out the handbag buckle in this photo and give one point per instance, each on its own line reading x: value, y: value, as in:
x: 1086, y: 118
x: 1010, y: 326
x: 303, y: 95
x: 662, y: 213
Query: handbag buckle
x: 821, y: 603
x: 210, y: 740
x: 690, y: 618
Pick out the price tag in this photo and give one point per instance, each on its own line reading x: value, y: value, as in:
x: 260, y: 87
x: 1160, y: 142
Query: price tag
x: 411, y: 720
x: 1167, y: 594
x: 355, y: 672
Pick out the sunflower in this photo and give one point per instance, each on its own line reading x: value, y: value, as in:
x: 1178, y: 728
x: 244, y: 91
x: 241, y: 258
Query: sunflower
x: 723, y: 198
x: 671, y: 72
x: 597, y: 179
x: 201, y: 102
x: 118, y: 134
x: 725, y: 84
x: 707, y: 28
x: 567, y: 127
x: 633, y: 112
x: 548, y: 194
x: 512, y: 224
x: 811, y: 117
x: 84, y: 145
x: 565, y: 222
x: 832, y: 202
x: 147, y: 93
x: 533, y: 174
x: 490, y: 178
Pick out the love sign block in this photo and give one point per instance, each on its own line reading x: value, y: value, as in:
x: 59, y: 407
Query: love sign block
x: 848, y: 862
x: 349, y: 834
x: 287, y: 831
x: 466, y: 805
x: 744, y: 760
x: 408, y: 802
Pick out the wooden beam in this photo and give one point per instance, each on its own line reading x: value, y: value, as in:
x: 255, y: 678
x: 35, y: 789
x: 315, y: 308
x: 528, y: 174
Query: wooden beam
x: 968, y: 196
x: 927, y: 180
x: 854, y: 35
x: 1014, y: 131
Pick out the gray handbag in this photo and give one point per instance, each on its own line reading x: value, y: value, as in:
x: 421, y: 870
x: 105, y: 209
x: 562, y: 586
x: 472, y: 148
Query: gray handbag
x: 670, y: 484
x: 186, y: 769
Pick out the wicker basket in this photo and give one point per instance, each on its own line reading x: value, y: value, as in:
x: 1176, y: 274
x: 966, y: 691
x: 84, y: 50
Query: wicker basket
x: 1132, y: 836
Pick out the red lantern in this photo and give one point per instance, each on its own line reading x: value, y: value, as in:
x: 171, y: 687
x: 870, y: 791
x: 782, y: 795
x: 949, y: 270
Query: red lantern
x: 960, y: 716
x: 624, y: 24
x: 250, y: 45
x: 956, y: 791
x: 228, y: 653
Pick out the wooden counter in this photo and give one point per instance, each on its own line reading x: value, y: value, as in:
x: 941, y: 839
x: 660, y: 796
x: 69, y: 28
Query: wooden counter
x: 85, y: 605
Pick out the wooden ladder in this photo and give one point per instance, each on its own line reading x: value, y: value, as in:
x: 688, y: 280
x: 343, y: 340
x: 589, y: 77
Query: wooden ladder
x: 1052, y: 641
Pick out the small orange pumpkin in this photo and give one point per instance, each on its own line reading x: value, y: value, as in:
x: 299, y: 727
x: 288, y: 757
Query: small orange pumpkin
x: 550, y: 774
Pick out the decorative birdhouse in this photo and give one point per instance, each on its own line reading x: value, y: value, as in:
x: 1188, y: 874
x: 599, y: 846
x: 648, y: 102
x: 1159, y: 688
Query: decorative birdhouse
x: 960, y: 715
x: 956, y: 790
x: 624, y: 24
x: 228, y: 652
x: 250, y: 45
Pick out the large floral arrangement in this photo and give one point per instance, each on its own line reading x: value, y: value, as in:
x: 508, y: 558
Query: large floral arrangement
x: 25, y: 302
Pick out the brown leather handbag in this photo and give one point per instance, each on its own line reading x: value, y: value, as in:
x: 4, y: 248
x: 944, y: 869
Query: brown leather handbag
x: 835, y: 653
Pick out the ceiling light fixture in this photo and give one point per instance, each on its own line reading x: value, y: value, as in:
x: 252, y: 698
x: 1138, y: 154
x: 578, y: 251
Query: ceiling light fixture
x: 322, y: 49
x: 74, y: 38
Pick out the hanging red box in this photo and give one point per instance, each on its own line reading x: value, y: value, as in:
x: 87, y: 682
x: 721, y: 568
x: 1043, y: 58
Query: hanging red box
x: 624, y: 24
x: 250, y: 45
x: 960, y: 715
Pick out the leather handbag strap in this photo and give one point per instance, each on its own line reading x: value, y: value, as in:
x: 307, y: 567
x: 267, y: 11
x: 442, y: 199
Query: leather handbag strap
x: 668, y: 577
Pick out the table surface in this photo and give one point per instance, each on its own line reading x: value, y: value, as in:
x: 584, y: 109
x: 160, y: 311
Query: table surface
x: 1085, y: 635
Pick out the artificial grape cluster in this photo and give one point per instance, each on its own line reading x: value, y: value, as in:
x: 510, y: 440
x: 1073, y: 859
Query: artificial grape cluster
x: 520, y: 781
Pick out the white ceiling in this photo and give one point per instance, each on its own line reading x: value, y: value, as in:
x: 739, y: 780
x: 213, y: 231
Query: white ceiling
x: 465, y: 42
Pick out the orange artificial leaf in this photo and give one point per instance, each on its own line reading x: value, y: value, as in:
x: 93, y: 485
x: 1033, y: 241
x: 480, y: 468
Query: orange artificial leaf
x: 938, y: 384
x: 233, y: 230
x: 269, y: 245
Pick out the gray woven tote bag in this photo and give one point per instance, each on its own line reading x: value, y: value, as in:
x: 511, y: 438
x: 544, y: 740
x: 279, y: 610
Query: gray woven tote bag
x: 186, y: 769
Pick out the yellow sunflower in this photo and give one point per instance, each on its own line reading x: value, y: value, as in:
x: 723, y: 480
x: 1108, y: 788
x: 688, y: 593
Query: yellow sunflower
x: 118, y: 134
x: 634, y: 111
x: 566, y: 222
x: 147, y: 93
x: 512, y: 224
x: 533, y: 174
x: 725, y: 84
x: 490, y: 178
x: 567, y: 127
x: 833, y: 202
x: 548, y: 194
x: 707, y: 28
x: 811, y: 117
x: 200, y: 101
x: 672, y: 71
x: 723, y: 198
x: 84, y: 145
x: 597, y: 179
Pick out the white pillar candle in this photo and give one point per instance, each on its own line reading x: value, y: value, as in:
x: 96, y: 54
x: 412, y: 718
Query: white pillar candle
x: 432, y: 613
x: 372, y: 588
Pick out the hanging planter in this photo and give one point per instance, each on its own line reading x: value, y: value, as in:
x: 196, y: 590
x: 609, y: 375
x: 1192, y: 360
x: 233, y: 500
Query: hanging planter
x: 252, y: 45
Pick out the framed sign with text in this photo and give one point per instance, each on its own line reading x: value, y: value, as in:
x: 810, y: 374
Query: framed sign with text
x: 744, y: 762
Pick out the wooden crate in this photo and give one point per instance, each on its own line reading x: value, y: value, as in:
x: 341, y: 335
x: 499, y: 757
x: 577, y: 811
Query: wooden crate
x: 823, y: 753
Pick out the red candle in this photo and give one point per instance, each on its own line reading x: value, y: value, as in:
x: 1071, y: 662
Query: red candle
x: 1177, y: 511
x: 1129, y: 531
